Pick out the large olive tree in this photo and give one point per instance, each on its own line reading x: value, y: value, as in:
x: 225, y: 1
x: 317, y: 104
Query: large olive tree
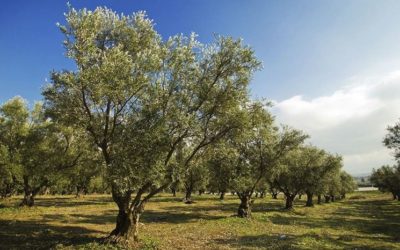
x: 139, y: 97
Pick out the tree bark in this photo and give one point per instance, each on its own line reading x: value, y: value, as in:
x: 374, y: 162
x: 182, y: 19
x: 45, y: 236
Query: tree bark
x: 127, y: 222
x: 222, y: 196
x: 289, y: 201
x: 333, y: 198
x: 327, y: 198
x: 310, y: 202
x: 173, y: 192
x: 274, y: 195
x: 244, y: 210
x: 300, y: 196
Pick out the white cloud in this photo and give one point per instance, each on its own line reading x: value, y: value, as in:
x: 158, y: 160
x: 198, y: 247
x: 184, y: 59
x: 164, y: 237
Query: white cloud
x: 351, y: 121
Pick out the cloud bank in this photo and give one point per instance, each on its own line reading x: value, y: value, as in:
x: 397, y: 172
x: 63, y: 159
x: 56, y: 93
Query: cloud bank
x: 351, y: 121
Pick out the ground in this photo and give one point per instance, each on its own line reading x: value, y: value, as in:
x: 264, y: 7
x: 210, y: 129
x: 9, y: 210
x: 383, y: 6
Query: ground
x: 365, y: 220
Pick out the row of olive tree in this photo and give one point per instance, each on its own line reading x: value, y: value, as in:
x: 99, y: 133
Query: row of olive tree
x: 36, y: 153
x: 262, y: 156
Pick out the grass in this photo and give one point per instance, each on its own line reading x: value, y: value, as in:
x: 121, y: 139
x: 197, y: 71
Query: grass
x: 367, y: 221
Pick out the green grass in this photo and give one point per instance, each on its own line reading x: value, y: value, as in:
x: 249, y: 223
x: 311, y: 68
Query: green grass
x: 367, y: 221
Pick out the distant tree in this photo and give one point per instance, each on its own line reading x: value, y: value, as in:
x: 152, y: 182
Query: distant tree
x: 347, y: 184
x: 139, y: 97
x: 220, y: 163
x: 321, y: 165
x: 392, y: 139
x: 256, y: 148
x: 39, y: 148
x: 387, y: 179
x: 195, y: 178
x: 9, y: 173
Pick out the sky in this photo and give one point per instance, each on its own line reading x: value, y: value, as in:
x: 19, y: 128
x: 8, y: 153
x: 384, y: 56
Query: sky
x: 331, y: 68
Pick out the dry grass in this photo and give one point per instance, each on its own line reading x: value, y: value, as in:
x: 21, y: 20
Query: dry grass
x: 64, y: 222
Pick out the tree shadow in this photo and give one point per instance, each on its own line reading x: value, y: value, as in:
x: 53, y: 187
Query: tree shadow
x: 36, y: 235
x: 148, y: 216
x: 71, y: 202
x: 288, y: 241
x: 368, y: 217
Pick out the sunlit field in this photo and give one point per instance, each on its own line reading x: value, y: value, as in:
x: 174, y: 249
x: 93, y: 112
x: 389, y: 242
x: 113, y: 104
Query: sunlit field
x: 364, y: 220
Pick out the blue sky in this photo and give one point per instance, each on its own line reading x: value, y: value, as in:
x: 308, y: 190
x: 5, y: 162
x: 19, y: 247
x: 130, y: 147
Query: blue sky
x: 315, y: 54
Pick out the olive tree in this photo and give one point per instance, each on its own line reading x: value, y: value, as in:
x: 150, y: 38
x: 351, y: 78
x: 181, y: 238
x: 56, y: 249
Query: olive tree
x: 387, y: 179
x: 392, y: 139
x: 139, y: 97
x: 256, y: 148
x: 320, y: 165
x: 37, y: 148
x: 347, y: 184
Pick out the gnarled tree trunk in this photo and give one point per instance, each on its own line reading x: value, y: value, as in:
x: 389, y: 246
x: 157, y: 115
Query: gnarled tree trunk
x: 28, y: 200
x: 309, y: 202
x: 289, y: 200
x: 244, y: 210
x: 127, y: 223
x: 188, y: 196
x: 30, y: 193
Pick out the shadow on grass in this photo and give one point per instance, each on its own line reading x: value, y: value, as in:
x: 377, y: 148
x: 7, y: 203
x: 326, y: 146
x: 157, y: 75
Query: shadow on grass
x: 148, y: 216
x: 368, y: 217
x: 36, y: 235
x: 71, y: 202
x: 289, y: 241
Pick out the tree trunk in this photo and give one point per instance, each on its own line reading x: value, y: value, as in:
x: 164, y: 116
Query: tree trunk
x: 222, y: 196
x: 333, y: 198
x: 274, y: 195
x: 262, y: 195
x: 256, y: 195
x: 127, y: 227
x: 309, y: 202
x: 173, y: 192
x: 327, y: 198
x: 127, y: 222
x: 394, y: 195
x: 300, y: 196
x: 319, y: 199
x: 188, y: 196
x: 29, y: 200
x: 29, y: 193
x: 79, y: 191
x: 289, y: 201
x: 244, y: 210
